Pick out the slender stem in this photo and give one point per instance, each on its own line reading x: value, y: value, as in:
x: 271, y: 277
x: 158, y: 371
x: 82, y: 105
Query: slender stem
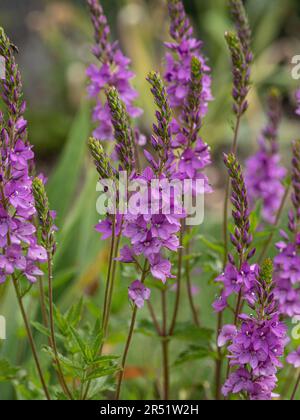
x: 189, y: 289
x: 238, y: 307
x: 295, y: 389
x: 179, y: 274
x: 278, y: 217
x: 287, y: 383
x: 108, y: 291
x: 107, y: 287
x: 30, y: 338
x: 43, y: 303
x: 219, y: 361
x: 154, y: 318
x: 129, y: 339
x: 165, y: 348
x: 111, y: 286
x: 52, y: 328
x: 236, y: 317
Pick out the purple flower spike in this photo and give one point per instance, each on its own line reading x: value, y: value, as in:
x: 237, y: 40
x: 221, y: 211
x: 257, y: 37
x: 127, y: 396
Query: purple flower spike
x: 264, y: 175
x: 20, y: 251
x: 113, y: 70
x: 257, y: 344
x: 138, y: 293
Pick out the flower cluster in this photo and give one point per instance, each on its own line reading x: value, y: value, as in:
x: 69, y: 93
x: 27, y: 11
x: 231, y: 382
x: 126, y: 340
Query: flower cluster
x: 151, y: 229
x: 264, y: 174
x: 238, y: 278
x: 178, y: 60
x: 257, y: 344
x: 113, y: 70
x: 188, y: 83
x: 20, y: 250
x: 287, y: 263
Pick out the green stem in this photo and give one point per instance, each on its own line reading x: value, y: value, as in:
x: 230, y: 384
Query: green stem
x: 129, y: 339
x: 111, y: 286
x: 189, y: 289
x: 276, y: 224
x: 295, y: 389
x: 107, y: 286
x: 154, y: 318
x: 52, y: 329
x: 219, y: 361
x: 179, y: 274
x: 30, y: 338
x: 165, y: 349
x: 43, y: 303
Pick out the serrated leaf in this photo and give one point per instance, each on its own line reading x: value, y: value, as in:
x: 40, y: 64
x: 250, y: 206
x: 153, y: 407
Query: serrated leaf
x: 100, y: 373
x: 74, y: 314
x: 84, y: 350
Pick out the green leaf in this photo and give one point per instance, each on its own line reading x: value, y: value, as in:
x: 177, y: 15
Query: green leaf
x: 74, y: 314
x: 101, y: 372
x: 82, y: 345
x: 211, y: 245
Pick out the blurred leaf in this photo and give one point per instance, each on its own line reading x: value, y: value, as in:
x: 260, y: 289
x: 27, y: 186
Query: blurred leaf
x: 188, y: 331
x: 62, y: 184
x: 193, y: 353
x: 147, y: 328
x: 7, y: 371
x: 41, y: 328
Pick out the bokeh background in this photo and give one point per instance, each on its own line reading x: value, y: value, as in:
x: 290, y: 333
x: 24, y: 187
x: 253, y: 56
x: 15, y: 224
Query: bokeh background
x: 55, y: 38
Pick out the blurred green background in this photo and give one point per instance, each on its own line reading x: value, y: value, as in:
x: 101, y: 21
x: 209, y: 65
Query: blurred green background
x: 54, y: 38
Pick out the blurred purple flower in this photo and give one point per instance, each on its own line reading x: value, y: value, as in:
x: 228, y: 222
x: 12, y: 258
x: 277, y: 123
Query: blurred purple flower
x: 294, y: 358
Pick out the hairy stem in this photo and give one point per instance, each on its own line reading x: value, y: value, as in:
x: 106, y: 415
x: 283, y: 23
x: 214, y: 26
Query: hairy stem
x: 43, y: 303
